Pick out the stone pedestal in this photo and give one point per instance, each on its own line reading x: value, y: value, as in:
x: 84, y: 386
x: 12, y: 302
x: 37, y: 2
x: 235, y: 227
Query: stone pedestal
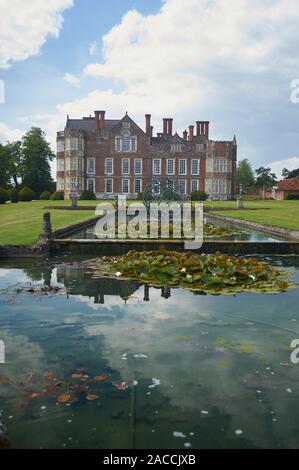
x: 240, y: 204
x: 43, y: 245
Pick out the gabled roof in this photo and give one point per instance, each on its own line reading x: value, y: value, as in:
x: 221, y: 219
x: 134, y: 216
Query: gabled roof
x: 89, y: 124
x: 291, y: 184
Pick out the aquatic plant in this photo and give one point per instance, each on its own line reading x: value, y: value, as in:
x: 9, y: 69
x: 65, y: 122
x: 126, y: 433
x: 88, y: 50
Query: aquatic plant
x: 216, y: 274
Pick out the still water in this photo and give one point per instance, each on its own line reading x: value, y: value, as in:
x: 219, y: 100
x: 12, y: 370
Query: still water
x: 162, y: 369
x: 240, y: 234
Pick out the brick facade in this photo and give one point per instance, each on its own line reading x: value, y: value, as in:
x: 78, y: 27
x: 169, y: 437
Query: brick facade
x: 113, y: 157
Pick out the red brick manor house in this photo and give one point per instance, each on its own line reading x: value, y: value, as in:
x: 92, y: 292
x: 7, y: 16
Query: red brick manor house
x: 111, y: 157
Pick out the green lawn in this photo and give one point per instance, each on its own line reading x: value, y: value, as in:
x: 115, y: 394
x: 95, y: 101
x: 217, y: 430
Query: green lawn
x: 20, y: 224
x: 282, y: 213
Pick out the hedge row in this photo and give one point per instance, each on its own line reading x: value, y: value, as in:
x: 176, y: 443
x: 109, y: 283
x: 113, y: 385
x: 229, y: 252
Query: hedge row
x: 27, y: 195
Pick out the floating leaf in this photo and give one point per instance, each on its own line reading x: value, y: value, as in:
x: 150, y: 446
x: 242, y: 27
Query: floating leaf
x: 120, y: 385
x: 20, y: 405
x: 222, y: 363
x: 183, y: 338
x: 92, y: 397
x: 64, y: 398
x: 77, y: 376
x: 49, y: 376
x: 4, y: 380
x: 102, y: 377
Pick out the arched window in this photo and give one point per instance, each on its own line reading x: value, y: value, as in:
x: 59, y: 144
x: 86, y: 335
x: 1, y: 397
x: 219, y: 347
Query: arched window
x: 126, y: 144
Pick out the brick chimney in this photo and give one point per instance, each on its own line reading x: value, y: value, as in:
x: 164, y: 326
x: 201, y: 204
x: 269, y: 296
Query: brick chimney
x: 191, y: 133
x: 152, y: 131
x: 169, y: 126
x: 148, y: 124
x: 203, y: 128
x: 102, y: 119
x: 97, y: 118
x: 185, y: 135
x: 165, y: 125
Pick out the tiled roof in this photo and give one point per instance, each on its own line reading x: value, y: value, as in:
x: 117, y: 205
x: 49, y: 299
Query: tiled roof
x: 291, y: 184
x: 89, y: 124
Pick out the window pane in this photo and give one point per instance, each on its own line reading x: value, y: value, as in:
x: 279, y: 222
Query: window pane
x: 170, y: 167
x: 125, y: 166
x: 156, y: 167
x: 138, y: 167
x: 183, y: 167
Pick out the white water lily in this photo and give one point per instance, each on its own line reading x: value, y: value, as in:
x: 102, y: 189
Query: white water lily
x: 118, y: 274
x: 183, y: 270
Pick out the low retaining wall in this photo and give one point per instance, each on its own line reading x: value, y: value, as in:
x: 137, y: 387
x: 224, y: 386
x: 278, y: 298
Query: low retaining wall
x: 17, y: 251
x: 70, y: 208
x: 118, y: 247
x: 270, y: 229
x: 64, y: 232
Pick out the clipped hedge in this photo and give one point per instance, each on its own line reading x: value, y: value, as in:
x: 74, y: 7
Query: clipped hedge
x: 45, y: 196
x: 57, y: 196
x: 4, y: 195
x: 26, y: 195
x: 87, y: 196
x: 14, y: 195
x: 199, y: 196
x: 292, y: 197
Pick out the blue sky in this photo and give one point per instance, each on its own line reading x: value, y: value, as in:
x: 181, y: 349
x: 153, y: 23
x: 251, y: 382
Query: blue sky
x: 220, y: 60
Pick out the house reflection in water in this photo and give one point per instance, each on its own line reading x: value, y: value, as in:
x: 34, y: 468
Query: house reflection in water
x: 78, y: 282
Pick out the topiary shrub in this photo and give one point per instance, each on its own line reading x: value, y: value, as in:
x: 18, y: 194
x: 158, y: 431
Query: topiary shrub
x: 4, y: 195
x: 199, y: 196
x: 14, y: 195
x: 57, y: 196
x: 87, y: 196
x: 45, y: 196
x: 292, y: 197
x: 26, y: 194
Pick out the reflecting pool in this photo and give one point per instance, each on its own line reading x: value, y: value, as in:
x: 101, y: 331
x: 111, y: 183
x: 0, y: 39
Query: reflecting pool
x: 112, y: 364
x: 241, y: 234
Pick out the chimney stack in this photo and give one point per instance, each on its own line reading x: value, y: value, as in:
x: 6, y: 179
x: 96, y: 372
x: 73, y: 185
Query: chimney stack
x: 97, y: 118
x: 152, y: 130
x: 100, y: 119
x: 185, y: 135
x: 169, y: 126
x: 203, y: 128
x: 148, y: 125
x: 165, y: 125
x: 191, y: 133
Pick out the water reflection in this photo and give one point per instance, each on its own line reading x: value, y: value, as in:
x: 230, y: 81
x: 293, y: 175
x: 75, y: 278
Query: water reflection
x: 196, y: 366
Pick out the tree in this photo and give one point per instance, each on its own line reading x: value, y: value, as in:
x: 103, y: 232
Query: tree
x: 285, y: 173
x: 15, y: 161
x: 36, y: 170
x: 245, y: 174
x: 4, y: 166
x: 294, y: 173
x: 265, y: 179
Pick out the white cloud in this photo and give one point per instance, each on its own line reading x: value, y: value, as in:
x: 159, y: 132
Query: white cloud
x: 288, y: 163
x: 225, y: 61
x: 9, y: 134
x: 25, y: 27
x: 72, y: 79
